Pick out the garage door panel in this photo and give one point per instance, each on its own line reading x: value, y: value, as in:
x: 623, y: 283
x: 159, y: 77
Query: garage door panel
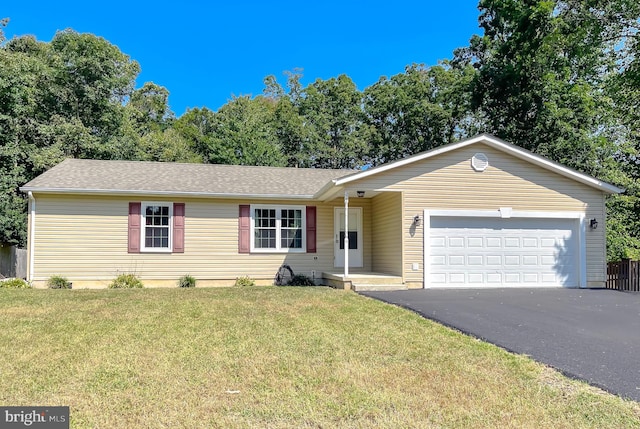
x: 475, y: 260
x: 496, y: 252
x: 494, y: 278
x: 456, y: 260
x: 457, y: 278
x: 512, y: 278
x: 476, y: 278
x: 512, y: 260
x: 438, y: 241
x: 547, y: 242
x: 438, y: 260
x: 512, y: 242
x: 494, y: 242
x: 475, y: 242
x: 456, y: 241
x: 494, y: 260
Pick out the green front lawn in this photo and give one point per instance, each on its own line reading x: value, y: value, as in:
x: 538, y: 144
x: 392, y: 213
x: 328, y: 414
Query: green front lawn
x: 272, y: 357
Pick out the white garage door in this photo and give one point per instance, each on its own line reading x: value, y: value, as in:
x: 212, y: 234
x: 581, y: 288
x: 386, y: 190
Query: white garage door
x: 496, y: 252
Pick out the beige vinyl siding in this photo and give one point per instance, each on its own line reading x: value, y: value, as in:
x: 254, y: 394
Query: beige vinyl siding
x: 447, y: 182
x: 84, y: 238
x: 386, y: 239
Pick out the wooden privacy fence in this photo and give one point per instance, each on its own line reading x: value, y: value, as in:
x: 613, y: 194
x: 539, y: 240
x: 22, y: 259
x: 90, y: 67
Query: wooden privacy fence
x: 13, y: 262
x: 624, y: 275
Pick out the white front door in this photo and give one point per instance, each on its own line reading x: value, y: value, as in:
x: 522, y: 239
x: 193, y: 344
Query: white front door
x: 355, y: 237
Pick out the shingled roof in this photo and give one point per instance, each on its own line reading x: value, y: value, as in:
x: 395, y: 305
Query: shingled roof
x: 165, y: 178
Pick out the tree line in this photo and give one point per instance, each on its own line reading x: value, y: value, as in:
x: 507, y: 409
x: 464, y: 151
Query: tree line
x: 559, y: 78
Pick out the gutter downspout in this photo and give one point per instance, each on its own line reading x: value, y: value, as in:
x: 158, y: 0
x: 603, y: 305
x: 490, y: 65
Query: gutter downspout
x: 346, y: 235
x: 32, y: 231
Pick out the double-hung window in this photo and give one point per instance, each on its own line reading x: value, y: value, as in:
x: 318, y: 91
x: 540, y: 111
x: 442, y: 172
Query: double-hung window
x: 156, y: 227
x: 278, y: 228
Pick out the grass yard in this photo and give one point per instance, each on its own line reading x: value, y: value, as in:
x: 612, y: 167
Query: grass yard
x: 271, y: 358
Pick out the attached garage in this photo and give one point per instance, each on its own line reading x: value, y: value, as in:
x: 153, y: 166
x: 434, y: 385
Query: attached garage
x: 468, y: 251
x: 485, y: 213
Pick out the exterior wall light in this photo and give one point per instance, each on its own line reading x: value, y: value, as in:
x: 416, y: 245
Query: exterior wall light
x: 360, y: 194
x: 593, y: 223
x: 416, y: 220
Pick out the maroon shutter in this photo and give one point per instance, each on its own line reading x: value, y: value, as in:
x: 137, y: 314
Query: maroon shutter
x: 134, y: 227
x: 178, y: 227
x: 244, y: 229
x: 311, y: 229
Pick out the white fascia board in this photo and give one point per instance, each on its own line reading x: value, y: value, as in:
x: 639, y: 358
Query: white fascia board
x: 497, y: 144
x: 119, y: 192
x: 325, y: 189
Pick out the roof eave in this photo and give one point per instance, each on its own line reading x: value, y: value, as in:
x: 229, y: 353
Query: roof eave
x: 124, y: 192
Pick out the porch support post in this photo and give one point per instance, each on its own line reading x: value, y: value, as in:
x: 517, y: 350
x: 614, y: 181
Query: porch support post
x: 346, y: 234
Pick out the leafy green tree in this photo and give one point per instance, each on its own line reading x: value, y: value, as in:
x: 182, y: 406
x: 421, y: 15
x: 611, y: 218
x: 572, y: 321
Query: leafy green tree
x: 149, y: 108
x: 419, y: 109
x: 166, y: 146
x: 242, y: 132
x: 3, y: 23
x: 197, y: 126
x: 292, y: 131
x: 57, y: 100
x: 336, y: 130
x: 543, y: 71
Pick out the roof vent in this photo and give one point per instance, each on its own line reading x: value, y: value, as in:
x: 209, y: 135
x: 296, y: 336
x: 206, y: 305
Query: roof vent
x: 479, y: 162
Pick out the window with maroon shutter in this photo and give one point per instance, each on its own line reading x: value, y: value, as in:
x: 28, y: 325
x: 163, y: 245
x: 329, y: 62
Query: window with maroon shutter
x: 156, y: 227
x: 274, y: 228
x: 134, y: 227
x: 311, y: 229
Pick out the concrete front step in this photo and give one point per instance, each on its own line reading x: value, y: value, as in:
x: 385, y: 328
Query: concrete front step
x: 361, y: 287
x: 365, y: 281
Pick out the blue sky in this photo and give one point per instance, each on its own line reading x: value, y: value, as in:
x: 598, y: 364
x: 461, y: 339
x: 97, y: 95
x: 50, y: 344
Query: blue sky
x: 206, y: 52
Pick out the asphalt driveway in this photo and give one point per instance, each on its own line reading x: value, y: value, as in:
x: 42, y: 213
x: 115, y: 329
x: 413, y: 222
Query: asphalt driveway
x: 593, y: 335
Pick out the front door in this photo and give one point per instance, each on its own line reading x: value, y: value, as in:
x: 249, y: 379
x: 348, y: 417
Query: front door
x: 355, y: 237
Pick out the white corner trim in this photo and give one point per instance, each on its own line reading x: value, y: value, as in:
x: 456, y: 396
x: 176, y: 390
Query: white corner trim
x: 426, y: 245
x: 582, y: 248
x: 32, y: 235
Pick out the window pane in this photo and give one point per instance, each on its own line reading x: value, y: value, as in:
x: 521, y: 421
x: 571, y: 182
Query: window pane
x: 353, y: 240
x: 265, y: 238
x: 291, y: 238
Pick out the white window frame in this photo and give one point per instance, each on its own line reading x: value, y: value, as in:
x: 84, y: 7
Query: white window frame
x: 143, y: 227
x: 278, y: 209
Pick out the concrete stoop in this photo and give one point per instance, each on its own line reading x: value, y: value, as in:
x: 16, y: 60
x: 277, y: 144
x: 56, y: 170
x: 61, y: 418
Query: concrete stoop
x: 364, y: 282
